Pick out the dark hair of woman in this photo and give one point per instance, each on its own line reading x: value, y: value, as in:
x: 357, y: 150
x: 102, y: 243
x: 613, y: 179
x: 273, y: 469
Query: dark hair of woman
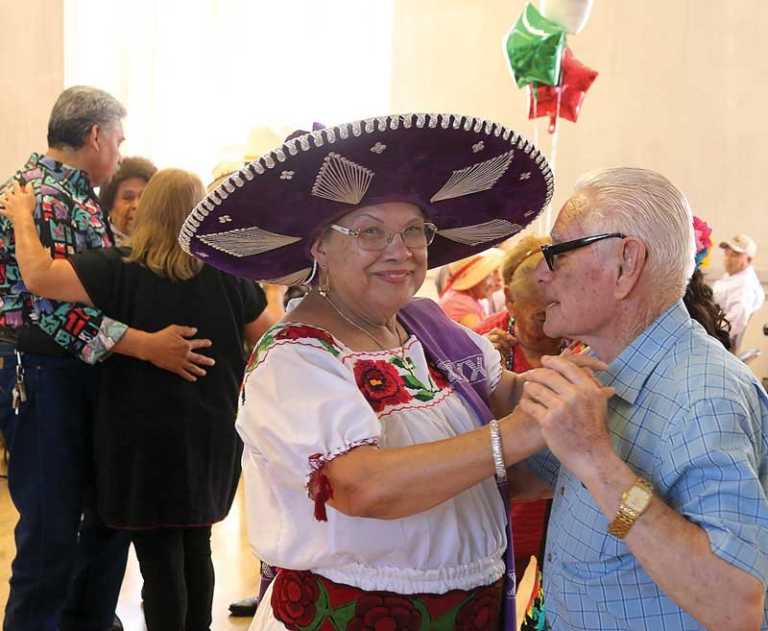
x: 129, y: 168
x: 702, y: 307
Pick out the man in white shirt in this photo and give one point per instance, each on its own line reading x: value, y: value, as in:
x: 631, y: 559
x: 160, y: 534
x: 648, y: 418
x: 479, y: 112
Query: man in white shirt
x: 739, y: 292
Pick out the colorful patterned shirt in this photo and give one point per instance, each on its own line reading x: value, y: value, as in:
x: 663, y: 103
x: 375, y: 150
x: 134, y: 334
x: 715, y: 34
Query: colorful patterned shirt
x: 69, y: 220
x: 692, y: 419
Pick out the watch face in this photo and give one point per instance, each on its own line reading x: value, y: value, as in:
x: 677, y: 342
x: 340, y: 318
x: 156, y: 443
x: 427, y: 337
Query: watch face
x: 637, y: 498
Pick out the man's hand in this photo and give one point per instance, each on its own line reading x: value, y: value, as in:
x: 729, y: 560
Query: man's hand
x: 171, y: 350
x: 570, y: 405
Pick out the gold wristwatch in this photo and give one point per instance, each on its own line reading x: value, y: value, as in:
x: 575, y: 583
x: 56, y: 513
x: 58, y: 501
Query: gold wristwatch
x: 634, y: 501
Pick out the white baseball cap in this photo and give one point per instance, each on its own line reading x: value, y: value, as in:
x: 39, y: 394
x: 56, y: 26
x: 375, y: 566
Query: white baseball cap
x: 742, y: 244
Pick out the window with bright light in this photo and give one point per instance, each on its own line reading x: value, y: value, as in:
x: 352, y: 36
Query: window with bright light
x: 198, y: 76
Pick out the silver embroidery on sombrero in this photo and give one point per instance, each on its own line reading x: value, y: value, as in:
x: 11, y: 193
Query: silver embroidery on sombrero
x: 263, y: 165
x: 474, y: 178
x: 481, y: 232
x: 342, y: 180
x: 246, y: 241
x: 295, y: 278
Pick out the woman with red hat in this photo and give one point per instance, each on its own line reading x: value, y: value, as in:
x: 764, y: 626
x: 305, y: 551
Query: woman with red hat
x: 469, y: 282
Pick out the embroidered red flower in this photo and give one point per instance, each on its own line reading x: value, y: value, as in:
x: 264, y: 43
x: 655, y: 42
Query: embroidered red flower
x: 384, y: 613
x: 294, y: 596
x: 380, y: 383
x: 302, y: 331
x: 438, y: 377
x: 482, y: 612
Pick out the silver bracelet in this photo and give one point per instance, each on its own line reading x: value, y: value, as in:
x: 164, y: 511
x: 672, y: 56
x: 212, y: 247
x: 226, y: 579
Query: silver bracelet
x: 498, y: 456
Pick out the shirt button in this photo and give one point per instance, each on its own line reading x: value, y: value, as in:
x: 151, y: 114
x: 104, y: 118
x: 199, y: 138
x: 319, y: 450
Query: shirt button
x: 549, y: 557
x: 562, y: 490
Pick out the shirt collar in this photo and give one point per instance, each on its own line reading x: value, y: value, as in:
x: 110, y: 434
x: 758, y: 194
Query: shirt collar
x: 73, y: 178
x: 120, y: 236
x: 629, y: 371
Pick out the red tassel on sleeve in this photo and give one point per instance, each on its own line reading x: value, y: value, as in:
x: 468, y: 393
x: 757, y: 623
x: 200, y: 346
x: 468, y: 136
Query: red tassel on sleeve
x: 322, y: 492
x: 319, y: 488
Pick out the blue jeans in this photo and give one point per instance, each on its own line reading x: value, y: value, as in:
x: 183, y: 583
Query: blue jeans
x: 50, y: 478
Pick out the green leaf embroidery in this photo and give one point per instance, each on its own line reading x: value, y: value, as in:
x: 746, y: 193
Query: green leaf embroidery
x: 413, y: 383
x: 423, y: 395
x: 447, y: 622
x: 397, y: 362
x: 331, y: 349
x: 322, y: 609
x: 266, y: 341
x: 341, y: 616
x: 426, y: 619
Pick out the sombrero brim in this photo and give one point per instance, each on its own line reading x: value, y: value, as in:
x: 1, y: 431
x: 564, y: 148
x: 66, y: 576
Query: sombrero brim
x: 478, y: 181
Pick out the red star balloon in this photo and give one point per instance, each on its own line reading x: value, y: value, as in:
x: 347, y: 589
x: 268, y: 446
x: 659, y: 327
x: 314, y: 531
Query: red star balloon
x: 565, y: 99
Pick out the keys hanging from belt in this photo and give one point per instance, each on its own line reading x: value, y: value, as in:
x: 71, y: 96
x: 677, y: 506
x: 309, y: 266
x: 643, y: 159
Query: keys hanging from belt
x: 19, y: 393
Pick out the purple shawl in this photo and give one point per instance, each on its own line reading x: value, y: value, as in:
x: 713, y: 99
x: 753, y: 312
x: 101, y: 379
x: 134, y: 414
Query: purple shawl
x: 453, y: 351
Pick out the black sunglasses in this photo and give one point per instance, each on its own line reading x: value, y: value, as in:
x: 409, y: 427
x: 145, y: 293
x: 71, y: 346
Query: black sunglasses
x: 551, y: 251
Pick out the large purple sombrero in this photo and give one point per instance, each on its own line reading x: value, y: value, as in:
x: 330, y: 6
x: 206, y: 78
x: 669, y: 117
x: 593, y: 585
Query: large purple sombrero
x: 477, y: 181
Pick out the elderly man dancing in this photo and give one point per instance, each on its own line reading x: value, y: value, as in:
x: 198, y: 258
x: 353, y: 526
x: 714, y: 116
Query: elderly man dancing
x: 660, y: 518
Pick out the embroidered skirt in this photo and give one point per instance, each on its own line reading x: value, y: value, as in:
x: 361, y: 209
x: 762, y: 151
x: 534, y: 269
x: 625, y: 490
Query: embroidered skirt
x: 304, y: 601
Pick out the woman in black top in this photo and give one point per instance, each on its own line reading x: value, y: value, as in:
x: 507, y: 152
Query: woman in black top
x: 166, y: 451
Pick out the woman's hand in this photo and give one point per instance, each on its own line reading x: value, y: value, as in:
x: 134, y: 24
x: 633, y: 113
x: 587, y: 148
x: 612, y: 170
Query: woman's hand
x: 503, y: 341
x: 17, y: 202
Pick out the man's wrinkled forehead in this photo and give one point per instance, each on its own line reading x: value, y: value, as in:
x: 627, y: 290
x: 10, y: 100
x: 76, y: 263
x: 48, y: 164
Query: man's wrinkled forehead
x: 570, y: 217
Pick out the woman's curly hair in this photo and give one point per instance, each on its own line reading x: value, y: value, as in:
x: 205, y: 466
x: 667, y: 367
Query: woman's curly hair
x: 702, y: 307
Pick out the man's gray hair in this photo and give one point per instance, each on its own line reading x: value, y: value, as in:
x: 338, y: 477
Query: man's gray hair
x: 75, y: 113
x: 646, y: 205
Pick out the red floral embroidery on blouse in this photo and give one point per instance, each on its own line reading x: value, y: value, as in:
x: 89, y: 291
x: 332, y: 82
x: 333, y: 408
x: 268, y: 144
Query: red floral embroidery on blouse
x: 438, y: 376
x: 380, y: 383
x: 303, y: 331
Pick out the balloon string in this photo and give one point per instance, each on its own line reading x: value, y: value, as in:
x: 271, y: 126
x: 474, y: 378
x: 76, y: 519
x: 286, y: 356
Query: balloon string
x: 534, y: 98
x: 542, y: 218
x: 547, y: 215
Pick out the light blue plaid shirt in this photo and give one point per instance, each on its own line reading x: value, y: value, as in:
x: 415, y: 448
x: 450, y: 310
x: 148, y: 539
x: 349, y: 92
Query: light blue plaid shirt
x: 692, y: 419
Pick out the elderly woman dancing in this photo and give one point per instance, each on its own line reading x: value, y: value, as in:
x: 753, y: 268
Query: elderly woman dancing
x: 369, y: 471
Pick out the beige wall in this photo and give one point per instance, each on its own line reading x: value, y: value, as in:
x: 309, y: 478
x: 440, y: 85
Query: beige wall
x: 681, y: 90
x: 31, y: 76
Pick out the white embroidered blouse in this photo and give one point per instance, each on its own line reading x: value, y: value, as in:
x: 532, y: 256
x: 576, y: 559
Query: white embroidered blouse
x: 307, y: 399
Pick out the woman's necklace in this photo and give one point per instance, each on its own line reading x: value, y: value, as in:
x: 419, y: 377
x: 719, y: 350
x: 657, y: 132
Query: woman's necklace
x: 509, y: 360
x: 346, y: 318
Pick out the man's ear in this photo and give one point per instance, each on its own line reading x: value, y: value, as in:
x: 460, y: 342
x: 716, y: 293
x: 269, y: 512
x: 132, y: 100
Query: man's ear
x: 94, y: 137
x: 631, y: 263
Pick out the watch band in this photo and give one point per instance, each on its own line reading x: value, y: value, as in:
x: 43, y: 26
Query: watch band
x: 626, y: 516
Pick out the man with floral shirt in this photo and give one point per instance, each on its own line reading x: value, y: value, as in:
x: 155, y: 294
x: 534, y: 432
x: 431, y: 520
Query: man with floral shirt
x: 49, y: 376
